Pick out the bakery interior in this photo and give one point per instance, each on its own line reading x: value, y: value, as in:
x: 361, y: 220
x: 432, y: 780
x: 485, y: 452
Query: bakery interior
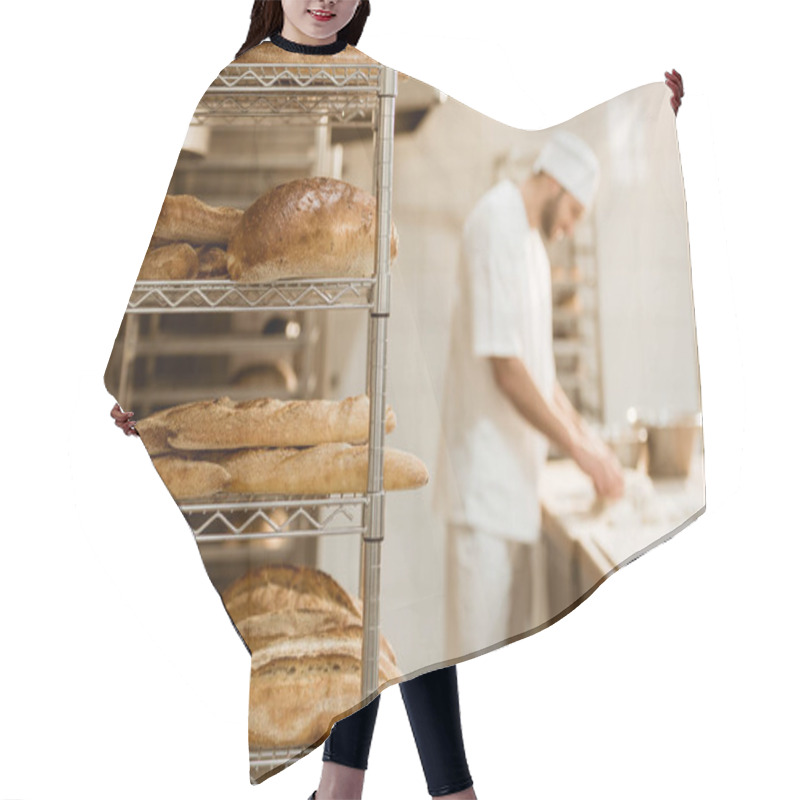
x: 624, y: 341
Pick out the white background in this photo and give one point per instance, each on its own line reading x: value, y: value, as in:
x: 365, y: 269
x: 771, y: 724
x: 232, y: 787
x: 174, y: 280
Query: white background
x: 121, y: 675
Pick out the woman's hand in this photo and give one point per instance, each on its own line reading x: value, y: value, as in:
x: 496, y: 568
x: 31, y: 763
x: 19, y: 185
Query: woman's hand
x: 124, y: 420
x: 675, y: 82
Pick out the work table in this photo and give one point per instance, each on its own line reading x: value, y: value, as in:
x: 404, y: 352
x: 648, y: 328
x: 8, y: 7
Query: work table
x: 585, y: 541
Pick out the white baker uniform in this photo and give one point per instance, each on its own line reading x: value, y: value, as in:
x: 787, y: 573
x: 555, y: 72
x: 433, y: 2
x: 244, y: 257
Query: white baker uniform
x: 491, y: 460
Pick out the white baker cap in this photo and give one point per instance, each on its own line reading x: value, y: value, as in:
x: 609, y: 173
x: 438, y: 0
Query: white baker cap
x: 571, y: 161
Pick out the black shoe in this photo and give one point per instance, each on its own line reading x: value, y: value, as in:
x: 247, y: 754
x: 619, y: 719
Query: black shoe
x: 313, y: 795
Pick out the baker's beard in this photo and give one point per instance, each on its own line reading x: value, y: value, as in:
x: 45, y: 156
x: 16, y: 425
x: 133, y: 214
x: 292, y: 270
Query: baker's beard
x: 549, y: 214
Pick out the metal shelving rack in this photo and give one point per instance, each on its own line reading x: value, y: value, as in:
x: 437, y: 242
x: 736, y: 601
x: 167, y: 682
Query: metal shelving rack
x: 359, y: 95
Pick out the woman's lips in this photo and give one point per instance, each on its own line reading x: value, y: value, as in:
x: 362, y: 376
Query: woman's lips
x: 322, y: 16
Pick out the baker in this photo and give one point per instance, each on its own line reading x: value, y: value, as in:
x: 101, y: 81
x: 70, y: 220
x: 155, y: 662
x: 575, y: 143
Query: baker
x: 503, y: 403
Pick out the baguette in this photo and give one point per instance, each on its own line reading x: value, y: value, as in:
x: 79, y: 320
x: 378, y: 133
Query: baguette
x: 191, y: 478
x: 223, y: 424
x: 323, y: 469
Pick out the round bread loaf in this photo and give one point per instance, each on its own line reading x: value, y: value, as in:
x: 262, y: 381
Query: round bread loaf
x: 299, y: 686
x: 294, y: 700
x: 261, y: 630
x: 306, y: 228
x: 303, y: 580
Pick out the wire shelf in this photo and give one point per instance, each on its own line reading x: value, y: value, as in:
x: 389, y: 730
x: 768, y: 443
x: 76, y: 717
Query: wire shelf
x: 263, y: 760
x: 298, y: 77
x: 292, y: 94
x: 174, y: 297
x: 229, y: 516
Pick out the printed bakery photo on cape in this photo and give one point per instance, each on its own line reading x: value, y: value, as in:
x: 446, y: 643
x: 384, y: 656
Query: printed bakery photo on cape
x: 418, y: 381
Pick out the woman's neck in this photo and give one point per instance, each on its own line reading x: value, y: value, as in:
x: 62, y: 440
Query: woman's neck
x: 314, y: 47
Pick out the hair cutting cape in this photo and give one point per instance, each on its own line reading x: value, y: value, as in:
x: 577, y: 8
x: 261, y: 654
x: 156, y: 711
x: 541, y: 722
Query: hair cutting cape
x: 245, y: 356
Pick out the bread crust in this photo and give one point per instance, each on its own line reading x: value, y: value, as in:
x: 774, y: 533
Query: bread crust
x: 185, y: 218
x: 324, y: 469
x: 223, y: 424
x: 172, y: 262
x: 306, y: 228
x: 302, y: 580
x: 188, y: 478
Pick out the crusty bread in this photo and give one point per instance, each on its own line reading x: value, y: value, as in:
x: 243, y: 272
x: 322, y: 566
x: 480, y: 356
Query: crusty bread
x: 223, y: 424
x: 185, y: 218
x: 306, y: 638
x: 302, y: 593
x: 213, y: 262
x: 172, y: 262
x: 262, y: 629
x: 186, y: 477
x: 304, y: 580
x: 267, y: 598
x: 294, y: 700
x: 346, y: 641
x: 323, y: 469
x: 306, y: 228
x: 154, y: 430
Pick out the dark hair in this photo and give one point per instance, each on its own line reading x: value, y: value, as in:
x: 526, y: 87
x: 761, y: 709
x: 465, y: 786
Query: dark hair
x: 266, y: 19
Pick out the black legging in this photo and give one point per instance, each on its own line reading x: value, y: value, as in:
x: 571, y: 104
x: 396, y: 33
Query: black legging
x: 432, y: 706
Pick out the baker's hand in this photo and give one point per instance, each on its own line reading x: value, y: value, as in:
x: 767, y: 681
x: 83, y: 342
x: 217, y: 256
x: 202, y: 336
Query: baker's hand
x: 675, y: 82
x: 124, y: 420
x: 602, y: 466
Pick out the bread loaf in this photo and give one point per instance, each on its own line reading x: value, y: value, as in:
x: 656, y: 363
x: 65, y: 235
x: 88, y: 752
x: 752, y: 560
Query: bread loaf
x: 344, y: 642
x: 294, y: 700
x: 307, y: 228
x: 262, y: 629
x: 223, y: 424
x: 213, y: 262
x: 154, y: 430
x: 303, y: 580
x: 172, y: 262
x: 306, y: 639
x: 323, y: 469
x: 187, y: 478
x: 302, y: 594
x: 267, y: 598
x: 299, y: 686
x: 184, y: 218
